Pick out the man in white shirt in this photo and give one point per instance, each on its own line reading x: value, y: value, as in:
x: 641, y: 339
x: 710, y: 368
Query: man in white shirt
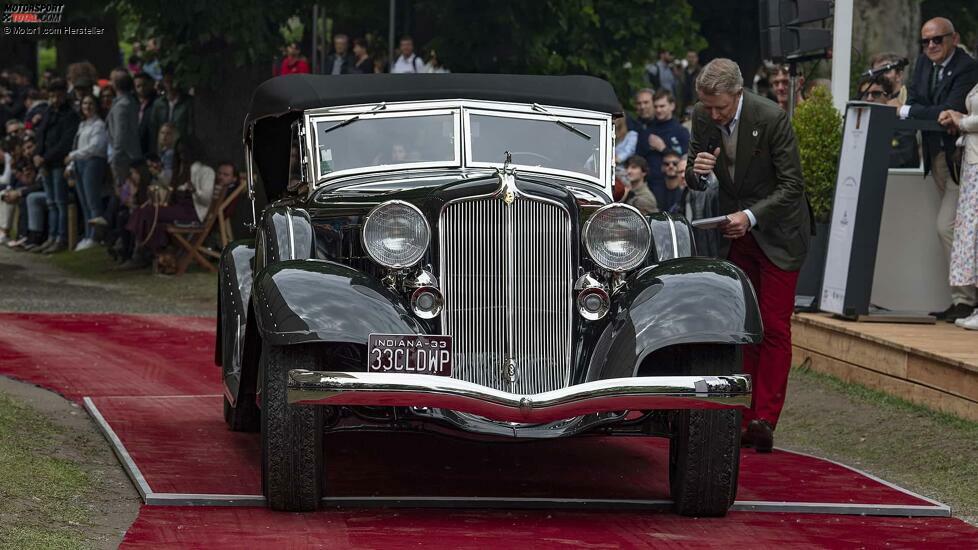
x: 407, y: 62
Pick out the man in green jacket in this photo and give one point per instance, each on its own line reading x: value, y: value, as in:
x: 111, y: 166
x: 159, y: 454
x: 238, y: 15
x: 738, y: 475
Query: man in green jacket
x: 747, y: 143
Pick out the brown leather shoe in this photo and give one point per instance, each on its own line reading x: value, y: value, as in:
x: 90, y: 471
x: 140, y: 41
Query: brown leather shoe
x: 760, y: 434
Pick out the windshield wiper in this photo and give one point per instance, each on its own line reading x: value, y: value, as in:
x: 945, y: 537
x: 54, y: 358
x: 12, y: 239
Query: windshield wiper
x: 378, y: 107
x: 558, y: 120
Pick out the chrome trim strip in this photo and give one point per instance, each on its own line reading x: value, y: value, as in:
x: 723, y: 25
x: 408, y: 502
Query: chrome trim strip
x: 288, y: 218
x: 838, y: 508
x: 249, y: 167
x: 675, y: 239
x: 193, y: 499
x: 396, y: 389
x: 509, y: 363
x: 128, y: 464
x: 627, y: 504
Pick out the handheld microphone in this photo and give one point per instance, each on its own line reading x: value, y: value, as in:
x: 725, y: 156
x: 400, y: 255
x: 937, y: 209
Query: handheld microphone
x: 711, y: 146
x: 899, y: 64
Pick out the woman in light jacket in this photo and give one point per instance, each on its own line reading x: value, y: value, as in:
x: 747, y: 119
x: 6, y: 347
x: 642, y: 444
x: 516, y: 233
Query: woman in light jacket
x: 964, y: 251
x: 88, y: 160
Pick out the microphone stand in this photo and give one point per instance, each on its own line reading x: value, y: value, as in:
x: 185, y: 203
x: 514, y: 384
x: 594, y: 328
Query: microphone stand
x: 793, y: 77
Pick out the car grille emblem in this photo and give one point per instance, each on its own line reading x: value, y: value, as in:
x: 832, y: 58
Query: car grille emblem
x: 509, y: 197
x: 509, y: 371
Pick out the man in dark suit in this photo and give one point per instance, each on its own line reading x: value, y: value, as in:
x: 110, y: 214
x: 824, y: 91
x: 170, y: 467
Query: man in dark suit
x: 942, y: 78
x: 341, y: 60
x: 747, y: 143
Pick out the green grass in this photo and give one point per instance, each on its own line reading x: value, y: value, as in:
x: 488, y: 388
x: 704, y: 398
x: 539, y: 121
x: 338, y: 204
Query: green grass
x: 39, y: 491
x: 868, y: 395
x: 194, y: 288
x: 932, y: 453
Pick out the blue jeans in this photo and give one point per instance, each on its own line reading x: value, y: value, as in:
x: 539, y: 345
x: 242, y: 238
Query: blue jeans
x: 91, y: 172
x: 36, y: 205
x: 56, y: 189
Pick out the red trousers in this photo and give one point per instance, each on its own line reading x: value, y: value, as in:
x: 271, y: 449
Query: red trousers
x: 768, y: 363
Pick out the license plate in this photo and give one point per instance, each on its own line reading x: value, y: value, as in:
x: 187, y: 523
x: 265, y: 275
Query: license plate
x: 410, y: 353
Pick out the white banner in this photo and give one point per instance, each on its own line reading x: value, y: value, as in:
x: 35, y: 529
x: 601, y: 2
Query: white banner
x: 844, y: 209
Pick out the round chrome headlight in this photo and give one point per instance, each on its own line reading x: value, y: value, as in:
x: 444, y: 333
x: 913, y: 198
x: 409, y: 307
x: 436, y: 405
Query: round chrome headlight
x: 396, y: 234
x: 617, y: 237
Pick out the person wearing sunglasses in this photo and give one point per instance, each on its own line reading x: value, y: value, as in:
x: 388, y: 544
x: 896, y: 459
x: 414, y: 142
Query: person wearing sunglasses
x: 903, y: 152
x: 674, y: 181
x: 942, y: 77
x: 895, y: 75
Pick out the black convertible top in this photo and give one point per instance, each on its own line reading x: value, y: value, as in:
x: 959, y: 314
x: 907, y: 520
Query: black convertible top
x: 291, y: 93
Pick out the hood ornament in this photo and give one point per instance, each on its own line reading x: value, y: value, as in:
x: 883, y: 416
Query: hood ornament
x: 507, y: 181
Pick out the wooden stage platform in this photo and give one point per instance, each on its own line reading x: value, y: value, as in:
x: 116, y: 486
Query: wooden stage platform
x: 931, y: 365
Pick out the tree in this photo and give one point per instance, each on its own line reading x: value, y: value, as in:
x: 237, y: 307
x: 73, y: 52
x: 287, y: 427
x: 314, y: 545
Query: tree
x: 223, y: 50
x: 101, y: 50
x: 733, y: 31
x: 818, y: 128
x: 961, y: 12
x: 606, y: 38
x: 20, y: 51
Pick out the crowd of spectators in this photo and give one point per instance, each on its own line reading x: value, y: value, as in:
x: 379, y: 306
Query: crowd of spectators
x: 360, y: 58
x: 120, y: 149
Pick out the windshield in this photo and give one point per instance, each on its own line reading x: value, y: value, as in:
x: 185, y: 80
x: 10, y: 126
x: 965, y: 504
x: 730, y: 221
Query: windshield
x: 380, y: 140
x: 541, y: 142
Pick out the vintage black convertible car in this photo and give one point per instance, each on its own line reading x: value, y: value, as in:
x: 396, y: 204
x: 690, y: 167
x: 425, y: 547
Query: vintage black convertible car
x: 442, y: 253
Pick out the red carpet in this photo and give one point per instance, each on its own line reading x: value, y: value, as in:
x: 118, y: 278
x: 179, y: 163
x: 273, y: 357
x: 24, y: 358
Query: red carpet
x: 97, y: 355
x: 153, y: 380
x: 437, y: 529
x: 385, y: 464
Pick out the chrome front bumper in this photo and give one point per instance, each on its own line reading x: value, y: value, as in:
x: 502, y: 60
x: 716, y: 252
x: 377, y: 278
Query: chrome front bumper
x: 418, y: 390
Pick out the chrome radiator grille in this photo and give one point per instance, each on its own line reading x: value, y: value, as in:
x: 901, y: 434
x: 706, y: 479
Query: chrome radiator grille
x: 507, y: 279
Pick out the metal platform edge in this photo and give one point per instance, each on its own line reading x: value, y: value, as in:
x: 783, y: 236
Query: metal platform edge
x: 151, y: 498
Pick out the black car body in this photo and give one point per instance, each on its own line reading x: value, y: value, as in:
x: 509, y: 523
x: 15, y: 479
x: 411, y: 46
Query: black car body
x: 463, y: 226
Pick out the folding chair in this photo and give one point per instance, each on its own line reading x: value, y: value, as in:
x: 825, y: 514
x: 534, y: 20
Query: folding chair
x: 191, y: 238
x: 224, y: 213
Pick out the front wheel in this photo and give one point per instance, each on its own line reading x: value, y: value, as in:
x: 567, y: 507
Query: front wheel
x: 291, y: 435
x: 704, y: 461
x: 243, y: 416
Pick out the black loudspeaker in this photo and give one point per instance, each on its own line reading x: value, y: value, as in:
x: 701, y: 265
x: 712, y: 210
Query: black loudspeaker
x: 782, y: 35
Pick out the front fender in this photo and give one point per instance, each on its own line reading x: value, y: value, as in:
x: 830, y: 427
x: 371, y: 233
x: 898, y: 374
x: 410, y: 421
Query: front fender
x: 300, y: 301
x: 234, y: 293
x: 682, y: 301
